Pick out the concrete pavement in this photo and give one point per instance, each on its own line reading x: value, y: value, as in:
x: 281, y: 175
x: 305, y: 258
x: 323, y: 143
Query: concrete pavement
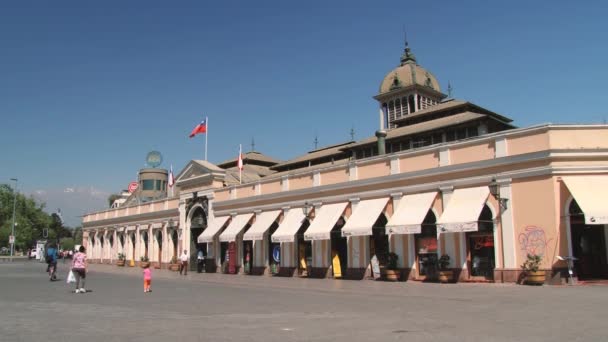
x: 217, y: 307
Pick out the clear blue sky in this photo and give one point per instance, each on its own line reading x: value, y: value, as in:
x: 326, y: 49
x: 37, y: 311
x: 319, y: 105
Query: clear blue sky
x: 88, y: 88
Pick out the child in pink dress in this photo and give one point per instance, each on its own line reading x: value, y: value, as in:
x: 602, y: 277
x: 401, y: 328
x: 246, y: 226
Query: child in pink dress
x: 147, y: 279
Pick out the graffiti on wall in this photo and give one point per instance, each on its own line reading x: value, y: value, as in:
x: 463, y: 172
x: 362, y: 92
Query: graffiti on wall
x: 534, y: 241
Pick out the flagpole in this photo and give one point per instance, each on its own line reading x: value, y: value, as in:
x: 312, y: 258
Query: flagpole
x: 240, y: 168
x: 206, y: 135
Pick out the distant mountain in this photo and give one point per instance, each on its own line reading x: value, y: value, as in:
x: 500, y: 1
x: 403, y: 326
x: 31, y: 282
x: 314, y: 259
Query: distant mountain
x: 73, y: 202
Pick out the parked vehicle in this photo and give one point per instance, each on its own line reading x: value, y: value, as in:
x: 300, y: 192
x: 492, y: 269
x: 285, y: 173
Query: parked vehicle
x: 33, y: 254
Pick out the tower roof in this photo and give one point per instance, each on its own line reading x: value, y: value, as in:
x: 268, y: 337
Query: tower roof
x: 408, y: 73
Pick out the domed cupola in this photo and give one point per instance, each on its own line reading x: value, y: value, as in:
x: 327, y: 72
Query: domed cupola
x: 406, y: 89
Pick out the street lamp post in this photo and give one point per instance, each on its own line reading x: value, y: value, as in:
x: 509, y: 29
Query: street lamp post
x: 14, y: 207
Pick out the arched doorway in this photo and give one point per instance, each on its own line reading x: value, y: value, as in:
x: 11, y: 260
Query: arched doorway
x: 133, y: 241
x: 145, y: 240
x: 174, y: 241
x: 304, y: 249
x: 480, y: 247
x: 121, y: 241
x: 101, y: 248
x: 198, y: 223
x: 159, y: 241
x: 111, y: 249
x: 426, y: 247
x: 378, y: 242
x: 273, y: 254
x: 339, y: 249
x: 588, y: 245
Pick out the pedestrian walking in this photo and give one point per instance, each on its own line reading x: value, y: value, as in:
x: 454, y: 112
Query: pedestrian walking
x: 184, y: 263
x: 147, y: 278
x: 200, y: 261
x: 79, y: 267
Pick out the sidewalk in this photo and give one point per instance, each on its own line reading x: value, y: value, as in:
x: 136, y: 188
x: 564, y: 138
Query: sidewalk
x: 356, y: 287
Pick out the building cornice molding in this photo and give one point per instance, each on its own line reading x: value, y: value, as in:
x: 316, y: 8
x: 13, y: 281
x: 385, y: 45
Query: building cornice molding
x: 445, y: 171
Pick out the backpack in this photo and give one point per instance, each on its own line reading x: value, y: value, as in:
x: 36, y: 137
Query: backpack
x: 49, y: 257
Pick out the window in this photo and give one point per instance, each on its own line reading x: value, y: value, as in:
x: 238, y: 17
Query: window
x: 158, y: 184
x: 461, y: 133
x: 147, y: 184
x: 472, y: 132
x: 410, y: 104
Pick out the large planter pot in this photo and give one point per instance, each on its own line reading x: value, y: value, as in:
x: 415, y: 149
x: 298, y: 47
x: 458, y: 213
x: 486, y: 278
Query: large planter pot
x: 144, y: 264
x: 174, y: 267
x: 120, y: 263
x: 446, y: 276
x: 390, y: 275
x: 535, y: 278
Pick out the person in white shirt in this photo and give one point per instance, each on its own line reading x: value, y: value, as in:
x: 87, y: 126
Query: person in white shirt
x: 184, y: 263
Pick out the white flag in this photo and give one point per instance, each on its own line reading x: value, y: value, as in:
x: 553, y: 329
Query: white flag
x: 171, y: 179
x: 240, y: 162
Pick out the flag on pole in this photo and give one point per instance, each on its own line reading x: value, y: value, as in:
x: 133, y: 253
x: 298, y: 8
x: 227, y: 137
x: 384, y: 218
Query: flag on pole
x: 240, y: 164
x: 200, y: 128
x: 171, y: 178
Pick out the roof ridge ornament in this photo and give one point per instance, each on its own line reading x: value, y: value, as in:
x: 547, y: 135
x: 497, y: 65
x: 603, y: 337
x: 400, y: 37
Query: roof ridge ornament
x: 407, y: 56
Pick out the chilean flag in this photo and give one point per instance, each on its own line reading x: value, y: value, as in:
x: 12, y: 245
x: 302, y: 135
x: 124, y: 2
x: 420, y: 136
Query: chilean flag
x: 171, y: 178
x: 200, y: 128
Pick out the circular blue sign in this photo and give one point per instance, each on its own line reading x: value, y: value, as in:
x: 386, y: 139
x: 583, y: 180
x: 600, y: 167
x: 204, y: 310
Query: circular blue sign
x: 154, y: 159
x: 276, y: 253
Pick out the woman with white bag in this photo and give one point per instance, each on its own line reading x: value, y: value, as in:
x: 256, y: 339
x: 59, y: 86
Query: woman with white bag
x: 79, y: 269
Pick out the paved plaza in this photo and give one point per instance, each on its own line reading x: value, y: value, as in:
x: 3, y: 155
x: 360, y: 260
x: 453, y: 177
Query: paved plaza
x: 216, y: 307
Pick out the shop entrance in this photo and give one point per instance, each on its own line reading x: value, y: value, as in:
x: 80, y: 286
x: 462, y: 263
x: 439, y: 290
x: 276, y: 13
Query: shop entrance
x: 426, y: 247
x: 339, y: 249
x: 480, y: 247
x: 588, y: 246
x: 198, y: 223
x: 274, y: 250
x: 247, y: 256
x: 132, y: 246
x: 378, y: 241
x: 159, y: 241
x: 174, y: 240
x: 304, y: 249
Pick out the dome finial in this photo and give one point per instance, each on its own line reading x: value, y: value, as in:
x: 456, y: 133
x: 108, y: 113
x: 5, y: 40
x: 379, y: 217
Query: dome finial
x: 407, y: 56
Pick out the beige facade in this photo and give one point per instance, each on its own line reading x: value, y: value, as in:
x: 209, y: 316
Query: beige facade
x: 529, y: 165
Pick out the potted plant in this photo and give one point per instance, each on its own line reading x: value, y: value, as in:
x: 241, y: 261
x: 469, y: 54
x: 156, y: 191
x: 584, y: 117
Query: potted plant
x: 531, y: 266
x: 121, y: 259
x: 144, y: 261
x: 173, y: 264
x: 391, y: 272
x: 446, y: 275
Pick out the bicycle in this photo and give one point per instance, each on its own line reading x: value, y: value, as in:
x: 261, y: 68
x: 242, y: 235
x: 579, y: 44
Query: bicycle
x: 52, y: 272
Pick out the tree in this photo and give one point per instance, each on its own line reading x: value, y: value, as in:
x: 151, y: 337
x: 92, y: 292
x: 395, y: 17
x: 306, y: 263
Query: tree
x: 30, y: 218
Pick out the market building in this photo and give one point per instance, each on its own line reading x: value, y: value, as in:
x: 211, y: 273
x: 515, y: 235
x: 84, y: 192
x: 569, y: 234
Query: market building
x: 441, y: 180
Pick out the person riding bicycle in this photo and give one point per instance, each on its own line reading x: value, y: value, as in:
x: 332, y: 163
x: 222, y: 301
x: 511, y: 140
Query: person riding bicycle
x: 51, y: 260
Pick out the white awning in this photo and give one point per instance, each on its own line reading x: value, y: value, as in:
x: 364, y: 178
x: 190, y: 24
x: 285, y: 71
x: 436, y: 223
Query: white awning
x: 235, y: 227
x: 289, y: 227
x: 364, y: 216
x: 263, y: 221
x: 215, y: 224
x: 588, y: 191
x: 325, y: 219
x: 408, y: 216
x: 463, y: 209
